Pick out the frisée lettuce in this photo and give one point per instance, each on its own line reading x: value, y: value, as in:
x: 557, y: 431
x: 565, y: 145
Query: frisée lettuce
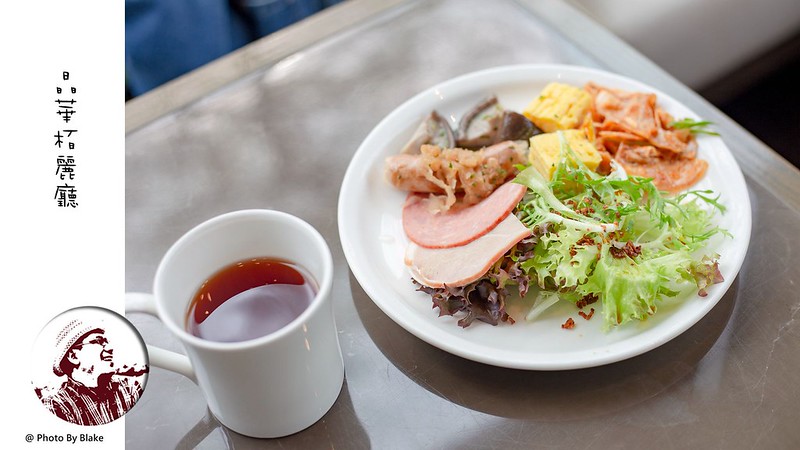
x: 616, y: 239
x: 613, y: 239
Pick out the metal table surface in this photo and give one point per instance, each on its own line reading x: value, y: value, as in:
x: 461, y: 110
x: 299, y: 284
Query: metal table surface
x: 274, y: 125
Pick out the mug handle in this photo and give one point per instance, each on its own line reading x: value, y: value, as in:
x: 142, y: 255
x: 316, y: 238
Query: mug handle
x: 175, y: 362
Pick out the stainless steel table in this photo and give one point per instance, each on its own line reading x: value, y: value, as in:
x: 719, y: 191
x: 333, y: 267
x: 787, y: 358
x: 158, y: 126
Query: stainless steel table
x: 275, y: 124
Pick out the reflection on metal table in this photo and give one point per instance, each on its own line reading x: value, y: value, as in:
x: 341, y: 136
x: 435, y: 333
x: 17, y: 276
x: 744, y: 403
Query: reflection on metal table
x: 275, y: 124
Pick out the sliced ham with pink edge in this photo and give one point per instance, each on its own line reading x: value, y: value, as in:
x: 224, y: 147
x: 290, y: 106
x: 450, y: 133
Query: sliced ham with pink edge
x: 458, y: 226
x: 458, y: 266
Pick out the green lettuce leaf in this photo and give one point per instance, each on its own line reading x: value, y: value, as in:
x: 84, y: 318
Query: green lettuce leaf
x: 617, y: 239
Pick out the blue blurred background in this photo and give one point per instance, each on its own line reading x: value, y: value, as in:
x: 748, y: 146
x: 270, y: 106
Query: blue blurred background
x: 167, y: 38
x: 741, y: 55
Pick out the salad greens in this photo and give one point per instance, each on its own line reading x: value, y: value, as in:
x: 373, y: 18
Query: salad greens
x: 612, y: 239
x: 694, y: 126
x: 616, y: 239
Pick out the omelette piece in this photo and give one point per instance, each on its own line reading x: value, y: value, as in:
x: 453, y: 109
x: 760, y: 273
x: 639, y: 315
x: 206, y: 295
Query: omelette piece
x: 545, y: 151
x: 559, y: 107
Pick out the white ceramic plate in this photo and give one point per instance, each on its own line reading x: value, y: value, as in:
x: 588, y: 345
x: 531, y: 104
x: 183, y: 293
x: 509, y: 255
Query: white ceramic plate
x: 373, y: 239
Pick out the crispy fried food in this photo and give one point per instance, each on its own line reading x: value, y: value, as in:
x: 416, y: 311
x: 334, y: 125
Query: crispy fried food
x: 669, y: 172
x: 637, y: 132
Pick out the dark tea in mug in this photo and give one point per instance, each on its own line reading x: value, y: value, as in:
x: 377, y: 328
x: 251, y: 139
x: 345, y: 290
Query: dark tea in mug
x: 249, y: 299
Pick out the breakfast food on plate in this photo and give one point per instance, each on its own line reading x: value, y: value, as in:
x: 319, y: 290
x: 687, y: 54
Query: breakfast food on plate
x: 559, y: 107
x: 581, y: 198
x: 475, y: 174
x: 642, y: 137
x: 434, y: 130
x: 545, y: 151
x: 489, y: 122
x: 428, y: 227
x: 434, y: 267
x: 480, y: 126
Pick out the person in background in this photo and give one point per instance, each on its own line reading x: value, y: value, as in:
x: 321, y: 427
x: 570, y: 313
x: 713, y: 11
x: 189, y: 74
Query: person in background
x: 167, y: 38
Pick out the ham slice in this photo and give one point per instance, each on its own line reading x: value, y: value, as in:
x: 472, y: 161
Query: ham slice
x: 458, y: 266
x: 459, y: 225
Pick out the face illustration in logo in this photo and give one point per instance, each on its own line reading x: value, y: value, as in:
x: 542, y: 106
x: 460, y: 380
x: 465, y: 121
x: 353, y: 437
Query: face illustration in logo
x: 91, y: 386
x: 91, y: 358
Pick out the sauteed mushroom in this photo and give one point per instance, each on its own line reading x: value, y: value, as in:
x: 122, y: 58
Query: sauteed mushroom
x: 516, y: 127
x: 479, y: 127
x: 434, y: 130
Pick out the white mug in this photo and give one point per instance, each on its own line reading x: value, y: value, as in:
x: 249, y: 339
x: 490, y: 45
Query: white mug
x: 271, y: 386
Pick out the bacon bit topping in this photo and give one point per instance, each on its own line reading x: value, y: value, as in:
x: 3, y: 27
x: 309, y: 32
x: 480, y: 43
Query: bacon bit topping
x: 586, y: 316
x: 586, y: 301
x: 569, y: 324
x: 628, y: 249
x: 585, y: 241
